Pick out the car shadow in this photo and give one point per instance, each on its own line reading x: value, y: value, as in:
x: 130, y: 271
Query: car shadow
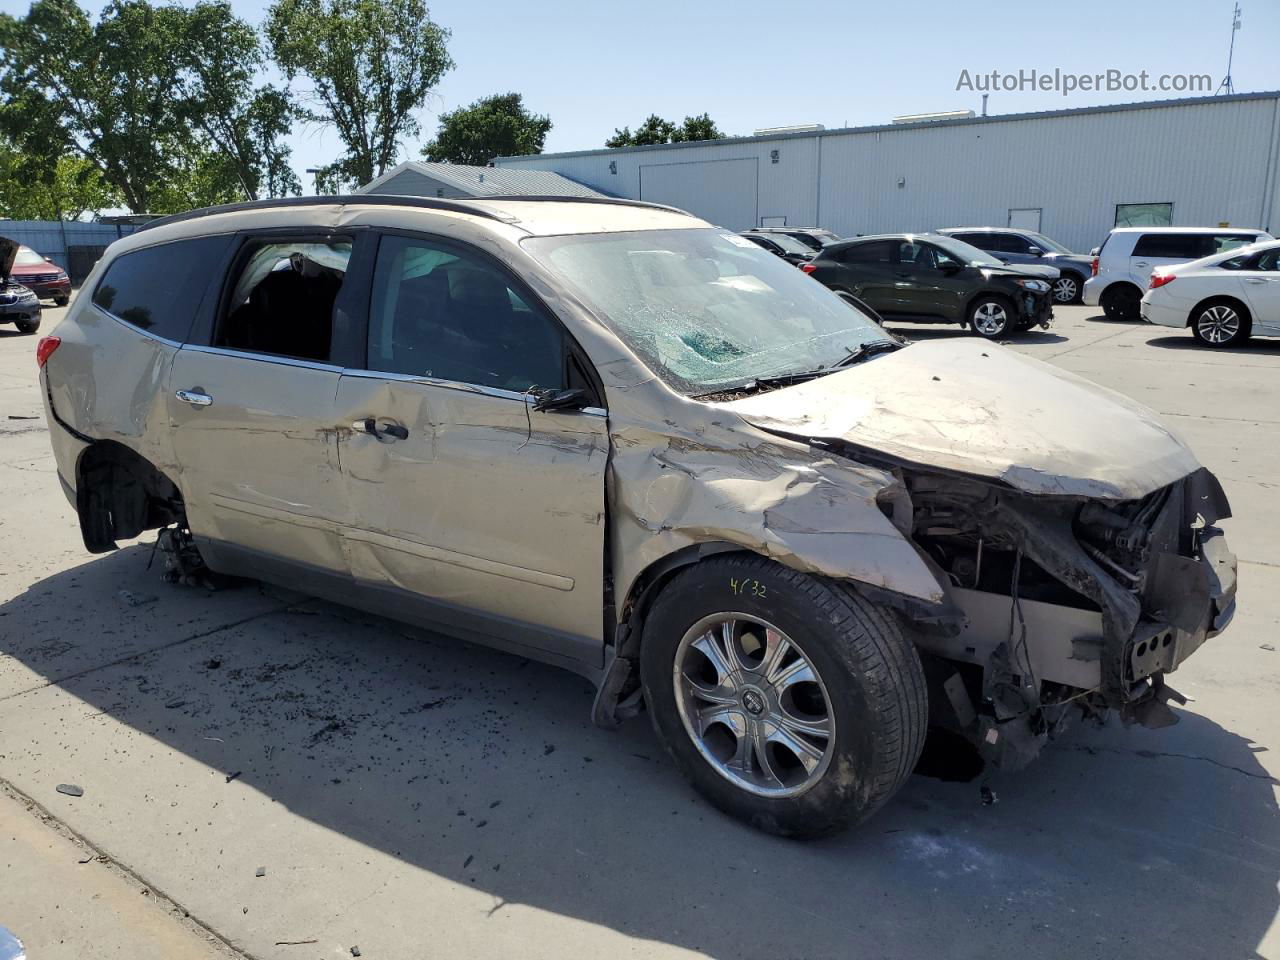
x: 1251, y: 347
x: 1115, y: 321
x: 409, y: 743
x: 916, y: 332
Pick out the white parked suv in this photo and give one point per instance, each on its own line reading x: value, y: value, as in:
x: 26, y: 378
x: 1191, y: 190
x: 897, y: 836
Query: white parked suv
x: 1124, y: 264
x: 1223, y: 299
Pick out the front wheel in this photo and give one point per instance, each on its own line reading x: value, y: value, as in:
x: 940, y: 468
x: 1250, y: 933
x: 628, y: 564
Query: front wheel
x: 1221, y: 324
x: 61, y: 301
x: 1066, y: 289
x: 991, y: 317
x: 788, y: 701
x: 27, y: 326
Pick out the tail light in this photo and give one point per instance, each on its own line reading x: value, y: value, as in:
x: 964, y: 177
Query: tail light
x: 808, y: 267
x: 1160, y: 279
x: 1093, y: 265
x: 45, y: 348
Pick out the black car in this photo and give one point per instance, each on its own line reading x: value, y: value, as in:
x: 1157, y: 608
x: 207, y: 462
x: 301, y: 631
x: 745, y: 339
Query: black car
x: 789, y: 249
x: 18, y: 305
x: 931, y: 278
x: 1028, y: 248
x: 815, y: 238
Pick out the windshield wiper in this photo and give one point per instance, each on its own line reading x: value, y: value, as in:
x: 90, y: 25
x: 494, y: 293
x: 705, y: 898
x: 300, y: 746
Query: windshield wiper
x: 853, y: 355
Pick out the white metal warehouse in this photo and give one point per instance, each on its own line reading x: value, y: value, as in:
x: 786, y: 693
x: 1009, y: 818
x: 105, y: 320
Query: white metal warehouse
x: 1069, y: 173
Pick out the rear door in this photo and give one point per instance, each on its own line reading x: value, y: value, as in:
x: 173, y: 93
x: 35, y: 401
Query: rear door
x: 867, y: 271
x: 484, y: 512
x: 251, y: 405
x: 1261, y: 282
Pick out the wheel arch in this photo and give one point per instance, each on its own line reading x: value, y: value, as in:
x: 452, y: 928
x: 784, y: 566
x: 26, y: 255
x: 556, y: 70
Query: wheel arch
x: 120, y: 493
x: 1116, y: 286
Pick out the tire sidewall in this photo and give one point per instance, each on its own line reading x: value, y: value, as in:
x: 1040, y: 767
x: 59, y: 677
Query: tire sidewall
x: 844, y: 794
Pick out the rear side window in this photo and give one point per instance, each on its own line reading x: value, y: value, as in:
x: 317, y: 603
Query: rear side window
x: 1176, y: 246
x: 878, y: 251
x: 1222, y: 242
x: 159, y: 289
x: 980, y: 240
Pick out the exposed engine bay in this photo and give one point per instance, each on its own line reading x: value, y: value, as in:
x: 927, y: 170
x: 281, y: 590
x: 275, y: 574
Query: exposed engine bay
x: 1063, y: 603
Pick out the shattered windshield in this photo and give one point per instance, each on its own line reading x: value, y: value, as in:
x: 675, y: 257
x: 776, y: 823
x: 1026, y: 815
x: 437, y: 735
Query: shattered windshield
x: 707, y: 310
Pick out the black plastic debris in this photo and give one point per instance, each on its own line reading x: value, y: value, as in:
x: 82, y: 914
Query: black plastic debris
x: 262, y: 872
x: 213, y: 664
x: 233, y: 776
x: 988, y: 796
x: 70, y: 789
x: 355, y: 951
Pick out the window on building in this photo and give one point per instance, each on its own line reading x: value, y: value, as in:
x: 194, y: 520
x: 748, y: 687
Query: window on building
x: 447, y: 313
x: 282, y: 302
x: 158, y: 289
x: 1144, y: 214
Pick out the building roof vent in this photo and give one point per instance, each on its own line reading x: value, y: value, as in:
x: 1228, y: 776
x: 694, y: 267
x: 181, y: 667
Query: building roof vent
x: 931, y: 117
x: 797, y: 128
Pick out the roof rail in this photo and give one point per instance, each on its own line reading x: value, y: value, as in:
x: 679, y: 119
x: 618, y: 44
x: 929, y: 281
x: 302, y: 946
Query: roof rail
x: 472, y: 205
x: 367, y: 199
x: 618, y: 201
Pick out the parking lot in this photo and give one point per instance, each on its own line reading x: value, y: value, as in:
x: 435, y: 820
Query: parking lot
x: 302, y: 779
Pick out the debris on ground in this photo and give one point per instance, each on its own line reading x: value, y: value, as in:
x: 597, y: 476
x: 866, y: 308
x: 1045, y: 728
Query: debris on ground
x: 355, y: 951
x: 262, y: 872
x: 294, y: 943
x: 174, y: 704
x: 136, y: 599
x: 233, y: 776
x: 1268, y: 646
x: 467, y: 862
x: 213, y: 664
x: 15, y: 416
x: 988, y: 796
x: 70, y: 789
x: 549, y: 749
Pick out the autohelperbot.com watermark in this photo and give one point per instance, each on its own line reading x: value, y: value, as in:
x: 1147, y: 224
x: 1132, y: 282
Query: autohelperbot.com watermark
x: 1067, y: 83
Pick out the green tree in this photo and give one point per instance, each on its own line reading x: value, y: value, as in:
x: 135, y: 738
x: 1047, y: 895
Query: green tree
x: 496, y: 126
x: 371, y: 64
x: 67, y: 191
x: 147, y: 96
x: 657, y: 130
x: 245, y: 124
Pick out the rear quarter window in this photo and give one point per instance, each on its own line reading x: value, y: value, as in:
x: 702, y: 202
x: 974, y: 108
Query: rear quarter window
x: 158, y: 289
x: 1176, y: 246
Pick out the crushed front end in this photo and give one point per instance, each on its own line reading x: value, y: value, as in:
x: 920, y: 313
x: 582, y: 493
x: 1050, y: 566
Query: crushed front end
x: 1068, y: 602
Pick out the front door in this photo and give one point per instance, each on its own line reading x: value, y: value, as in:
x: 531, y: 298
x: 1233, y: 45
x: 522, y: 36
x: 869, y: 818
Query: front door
x: 252, y: 409
x: 1261, y: 282
x: 461, y: 494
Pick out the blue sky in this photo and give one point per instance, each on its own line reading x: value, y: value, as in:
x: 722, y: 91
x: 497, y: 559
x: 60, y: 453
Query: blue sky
x: 750, y: 64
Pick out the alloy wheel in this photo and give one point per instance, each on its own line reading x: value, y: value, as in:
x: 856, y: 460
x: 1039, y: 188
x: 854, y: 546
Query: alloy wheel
x: 1218, y: 324
x: 990, y: 318
x: 1065, y: 289
x: 754, y: 705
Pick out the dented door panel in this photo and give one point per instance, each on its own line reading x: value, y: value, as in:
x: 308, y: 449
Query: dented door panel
x: 485, y: 505
x: 258, y: 464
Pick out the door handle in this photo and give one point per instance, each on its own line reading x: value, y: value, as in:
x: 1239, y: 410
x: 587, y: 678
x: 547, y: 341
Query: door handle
x: 194, y: 397
x: 1261, y: 279
x: 1141, y: 263
x: 390, y: 431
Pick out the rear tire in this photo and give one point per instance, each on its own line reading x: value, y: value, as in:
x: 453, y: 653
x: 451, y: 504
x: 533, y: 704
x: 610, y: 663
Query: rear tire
x: 61, y: 301
x: 992, y: 317
x: 1120, y: 302
x: 27, y: 326
x: 1221, y: 323
x: 788, y: 701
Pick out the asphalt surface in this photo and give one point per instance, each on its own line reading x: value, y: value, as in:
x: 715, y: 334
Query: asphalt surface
x: 301, y: 779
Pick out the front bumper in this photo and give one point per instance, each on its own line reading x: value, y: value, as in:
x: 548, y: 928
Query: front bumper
x: 19, y: 311
x: 1035, y: 309
x: 51, y: 289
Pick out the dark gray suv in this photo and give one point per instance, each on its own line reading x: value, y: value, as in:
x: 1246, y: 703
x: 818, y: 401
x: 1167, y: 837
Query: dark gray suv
x: 1028, y: 248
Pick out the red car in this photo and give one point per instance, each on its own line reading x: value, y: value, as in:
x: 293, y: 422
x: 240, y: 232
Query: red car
x: 41, y: 275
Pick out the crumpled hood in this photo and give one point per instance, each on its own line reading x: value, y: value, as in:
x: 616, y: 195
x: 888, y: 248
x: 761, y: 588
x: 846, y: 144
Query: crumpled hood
x: 976, y: 408
x: 8, y: 253
x: 1024, y: 270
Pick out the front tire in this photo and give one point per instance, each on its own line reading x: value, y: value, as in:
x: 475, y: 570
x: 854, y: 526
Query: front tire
x: 1066, y: 289
x: 1223, y: 323
x: 991, y: 317
x: 789, y: 701
x: 61, y: 301
x: 27, y: 326
x: 1120, y: 302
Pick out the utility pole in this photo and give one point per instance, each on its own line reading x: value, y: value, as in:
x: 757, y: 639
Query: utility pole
x: 1227, y: 86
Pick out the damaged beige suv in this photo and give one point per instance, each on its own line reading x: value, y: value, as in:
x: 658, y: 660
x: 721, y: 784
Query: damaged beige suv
x: 612, y: 437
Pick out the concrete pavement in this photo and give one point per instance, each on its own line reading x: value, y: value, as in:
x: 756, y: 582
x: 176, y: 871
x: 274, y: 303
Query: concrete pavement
x: 414, y: 797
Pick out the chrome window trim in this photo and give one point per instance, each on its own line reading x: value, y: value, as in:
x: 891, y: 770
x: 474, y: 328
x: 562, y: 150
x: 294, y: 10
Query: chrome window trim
x: 459, y: 385
x: 264, y: 357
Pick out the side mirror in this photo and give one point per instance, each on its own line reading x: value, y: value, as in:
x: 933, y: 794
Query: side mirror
x: 1035, y: 251
x: 574, y: 399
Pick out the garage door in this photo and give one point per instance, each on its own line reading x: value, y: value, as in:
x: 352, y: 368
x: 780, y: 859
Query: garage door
x: 721, y: 191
